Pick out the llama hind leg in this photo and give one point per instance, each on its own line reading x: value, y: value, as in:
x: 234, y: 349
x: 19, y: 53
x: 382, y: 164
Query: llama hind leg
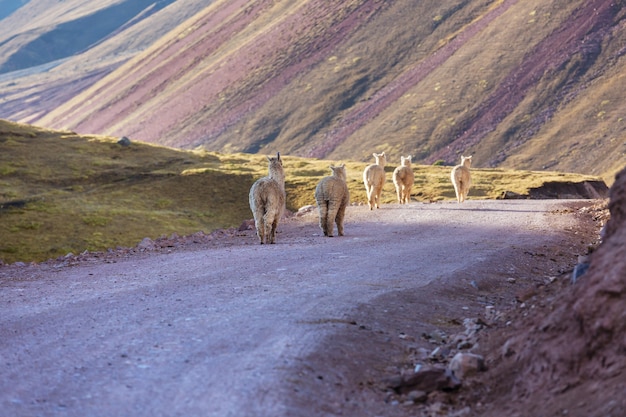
x: 259, y: 224
x: 271, y: 223
x: 399, y: 193
x: 466, y: 188
x: 370, y: 196
x: 330, y: 218
x: 457, y: 192
x: 323, y: 213
x: 377, y: 197
x: 260, y: 229
x: 462, y: 192
x: 272, y: 233
x: 339, y: 219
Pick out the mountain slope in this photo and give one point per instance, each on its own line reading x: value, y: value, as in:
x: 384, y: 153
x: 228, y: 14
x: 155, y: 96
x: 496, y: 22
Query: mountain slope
x: 532, y: 84
x: 68, y: 31
x: 58, y: 80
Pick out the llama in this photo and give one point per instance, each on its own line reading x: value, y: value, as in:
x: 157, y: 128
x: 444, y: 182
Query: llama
x: 332, y: 197
x: 461, y: 178
x: 374, y: 180
x: 403, y: 179
x: 267, y: 200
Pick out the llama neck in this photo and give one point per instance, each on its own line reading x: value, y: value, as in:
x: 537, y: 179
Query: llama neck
x: 278, y: 175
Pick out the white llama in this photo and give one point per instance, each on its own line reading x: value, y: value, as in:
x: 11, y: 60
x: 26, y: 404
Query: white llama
x: 332, y: 197
x: 267, y: 200
x: 374, y: 180
x: 403, y: 179
x: 461, y: 178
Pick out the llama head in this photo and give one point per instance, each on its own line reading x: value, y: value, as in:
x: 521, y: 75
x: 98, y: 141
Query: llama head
x: 275, y: 159
x: 381, y: 159
x: 405, y: 162
x: 339, y: 171
x: 275, y: 164
x: 466, y: 160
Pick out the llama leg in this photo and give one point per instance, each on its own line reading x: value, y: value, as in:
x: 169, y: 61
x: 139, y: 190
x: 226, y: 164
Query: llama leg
x: 330, y: 217
x: 461, y: 192
x: 323, y: 213
x: 339, y: 219
x: 466, y: 187
x: 273, y: 231
x: 271, y: 221
x: 258, y: 223
x: 260, y: 229
x: 370, y: 196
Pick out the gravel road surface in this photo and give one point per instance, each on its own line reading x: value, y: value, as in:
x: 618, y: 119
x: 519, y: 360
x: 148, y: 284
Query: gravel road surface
x: 243, y: 329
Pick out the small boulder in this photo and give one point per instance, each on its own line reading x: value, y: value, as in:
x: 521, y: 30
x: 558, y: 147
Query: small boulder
x: 146, y: 244
x: 466, y: 364
x: 124, y: 141
x: 427, y: 379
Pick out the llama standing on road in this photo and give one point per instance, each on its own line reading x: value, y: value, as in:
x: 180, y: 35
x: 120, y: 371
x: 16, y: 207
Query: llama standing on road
x: 267, y: 200
x: 403, y: 179
x: 374, y: 180
x: 332, y: 197
x: 461, y: 178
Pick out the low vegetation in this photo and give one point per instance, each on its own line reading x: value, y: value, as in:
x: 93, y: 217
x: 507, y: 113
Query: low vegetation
x: 61, y: 192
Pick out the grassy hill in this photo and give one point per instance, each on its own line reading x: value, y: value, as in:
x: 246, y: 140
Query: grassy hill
x: 61, y: 192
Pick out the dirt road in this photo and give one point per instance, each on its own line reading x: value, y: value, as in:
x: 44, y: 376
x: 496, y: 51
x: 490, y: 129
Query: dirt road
x: 308, y: 326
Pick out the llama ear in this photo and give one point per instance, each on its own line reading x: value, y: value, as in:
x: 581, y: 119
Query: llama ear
x: 278, y: 155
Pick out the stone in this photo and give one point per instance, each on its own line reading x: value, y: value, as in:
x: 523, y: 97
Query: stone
x: 580, y: 268
x: 305, y: 209
x: 246, y: 225
x: 579, y: 271
x: 439, y: 354
x: 124, y: 141
x: 466, y: 364
x: 427, y: 379
x: 417, y: 396
x: 146, y: 244
x: 473, y: 326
